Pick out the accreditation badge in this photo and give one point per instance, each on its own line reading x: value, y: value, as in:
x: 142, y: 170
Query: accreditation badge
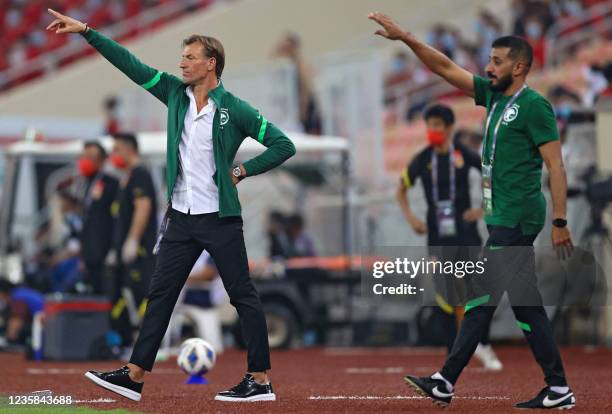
x: 445, y: 213
x: 487, y: 189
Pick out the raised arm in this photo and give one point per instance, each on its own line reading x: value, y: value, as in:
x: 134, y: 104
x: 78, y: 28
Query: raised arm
x: 435, y: 60
x: 157, y: 83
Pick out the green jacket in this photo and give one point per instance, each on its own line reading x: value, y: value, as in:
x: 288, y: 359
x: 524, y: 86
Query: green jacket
x: 234, y: 120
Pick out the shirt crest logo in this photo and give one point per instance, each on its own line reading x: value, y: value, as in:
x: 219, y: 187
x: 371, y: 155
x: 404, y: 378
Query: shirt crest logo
x: 511, y: 113
x: 223, y: 116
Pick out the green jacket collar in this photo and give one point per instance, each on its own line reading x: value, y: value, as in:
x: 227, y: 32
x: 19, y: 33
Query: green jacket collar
x: 215, y: 94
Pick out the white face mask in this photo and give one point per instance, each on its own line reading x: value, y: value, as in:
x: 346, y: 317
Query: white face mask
x: 533, y: 30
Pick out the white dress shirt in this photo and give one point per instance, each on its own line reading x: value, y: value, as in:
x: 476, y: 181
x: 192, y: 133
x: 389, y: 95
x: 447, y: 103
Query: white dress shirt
x: 195, y: 192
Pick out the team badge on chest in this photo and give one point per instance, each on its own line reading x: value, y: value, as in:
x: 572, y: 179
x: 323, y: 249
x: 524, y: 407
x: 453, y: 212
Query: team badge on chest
x: 223, y: 116
x: 511, y: 113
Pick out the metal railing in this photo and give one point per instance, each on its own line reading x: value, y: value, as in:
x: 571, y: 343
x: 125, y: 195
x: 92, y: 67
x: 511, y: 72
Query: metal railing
x: 52, y: 60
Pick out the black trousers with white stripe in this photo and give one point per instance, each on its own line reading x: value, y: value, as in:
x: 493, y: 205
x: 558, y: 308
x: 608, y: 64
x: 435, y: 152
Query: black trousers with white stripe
x: 184, y: 239
x: 510, y: 268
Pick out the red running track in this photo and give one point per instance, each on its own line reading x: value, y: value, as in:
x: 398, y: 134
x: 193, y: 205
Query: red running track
x: 349, y: 380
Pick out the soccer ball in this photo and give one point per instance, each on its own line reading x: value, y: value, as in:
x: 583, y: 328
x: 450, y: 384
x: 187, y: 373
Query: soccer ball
x: 196, y: 356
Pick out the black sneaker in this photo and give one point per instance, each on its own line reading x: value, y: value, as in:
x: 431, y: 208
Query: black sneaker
x: 118, y: 381
x: 247, y: 391
x: 431, y: 388
x: 547, y: 399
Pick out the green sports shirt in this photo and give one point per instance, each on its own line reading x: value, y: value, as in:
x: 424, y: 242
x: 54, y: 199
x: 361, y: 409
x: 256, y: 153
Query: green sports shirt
x: 234, y: 120
x: 517, y: 166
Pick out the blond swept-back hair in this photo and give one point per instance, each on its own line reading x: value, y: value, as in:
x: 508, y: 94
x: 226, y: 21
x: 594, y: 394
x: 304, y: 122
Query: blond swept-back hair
x: 212, y: 49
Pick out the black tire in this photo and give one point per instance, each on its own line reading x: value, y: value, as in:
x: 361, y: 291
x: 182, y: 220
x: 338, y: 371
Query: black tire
x: 282, y: 325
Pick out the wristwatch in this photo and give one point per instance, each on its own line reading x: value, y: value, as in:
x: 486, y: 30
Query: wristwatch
x: 237, y: 172
x: 559, y: 222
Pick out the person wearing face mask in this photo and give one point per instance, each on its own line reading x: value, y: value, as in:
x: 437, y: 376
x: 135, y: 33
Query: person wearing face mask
x: 99, y: 192
x: 520, y: 136
x: 135, y: 214
x: 443, y: 167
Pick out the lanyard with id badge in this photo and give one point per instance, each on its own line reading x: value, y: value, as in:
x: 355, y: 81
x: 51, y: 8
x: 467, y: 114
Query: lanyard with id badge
x: 445, y: 209
x: 487, y: 169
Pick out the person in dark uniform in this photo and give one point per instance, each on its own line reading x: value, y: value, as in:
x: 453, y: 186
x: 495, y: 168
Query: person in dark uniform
x: 100, y: 190
x: 135, y: 212
x: 443, y: 167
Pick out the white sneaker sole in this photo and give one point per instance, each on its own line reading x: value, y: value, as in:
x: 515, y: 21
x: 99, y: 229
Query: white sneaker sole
x: 254, y: 398
x: 126, y: 392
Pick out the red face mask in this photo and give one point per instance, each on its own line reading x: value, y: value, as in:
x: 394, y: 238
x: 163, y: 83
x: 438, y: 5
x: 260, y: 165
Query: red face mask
x: 118, y: 161
x: 435, y: 137
x: 87, y: 167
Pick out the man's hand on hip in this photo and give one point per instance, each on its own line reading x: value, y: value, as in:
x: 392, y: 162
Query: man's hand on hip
x: 65, y: 24
x: 236, y: 180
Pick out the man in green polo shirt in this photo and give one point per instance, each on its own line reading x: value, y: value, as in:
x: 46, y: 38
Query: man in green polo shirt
x: 520, y: 134
x: 206, y: 125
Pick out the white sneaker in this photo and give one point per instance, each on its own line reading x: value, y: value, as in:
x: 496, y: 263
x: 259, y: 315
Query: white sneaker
x: 487, y: 357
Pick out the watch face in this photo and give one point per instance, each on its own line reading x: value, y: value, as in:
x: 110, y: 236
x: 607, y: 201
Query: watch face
x: 236, y: 171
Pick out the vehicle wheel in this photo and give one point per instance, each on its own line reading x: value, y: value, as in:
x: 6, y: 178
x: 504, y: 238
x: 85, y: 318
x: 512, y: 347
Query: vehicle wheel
x: 282, y: 325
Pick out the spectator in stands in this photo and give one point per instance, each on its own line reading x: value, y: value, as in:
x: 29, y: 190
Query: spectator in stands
x: 279, y: 245
x: 564, y: 102
x: 18, y: 304
x: 302, y: 244
x: 534, y: 33
x: 399, y: 70
x: 606, y: 70
x: 488, y: 28
x: 443, y: 38
x: 289, y: 47
x: 99, y: 191
x: 111, y: 122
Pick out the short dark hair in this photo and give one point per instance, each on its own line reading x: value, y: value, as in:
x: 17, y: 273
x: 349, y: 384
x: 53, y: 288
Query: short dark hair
x: 212, y: 49
x: 127, y: 138
x: 96, y: 144
x: 519, y: 48
x: 445, y: 113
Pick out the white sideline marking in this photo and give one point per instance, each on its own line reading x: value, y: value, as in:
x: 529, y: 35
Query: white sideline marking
x: 98, y: 400
x: 401, y: 370
x: 386, y: 350
x: 80, y: 371
x: 396, y: 397
x: 380, y: 370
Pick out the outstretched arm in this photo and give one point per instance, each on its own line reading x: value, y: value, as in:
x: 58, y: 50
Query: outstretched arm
x: 157, y: 83
x: 435, y: 60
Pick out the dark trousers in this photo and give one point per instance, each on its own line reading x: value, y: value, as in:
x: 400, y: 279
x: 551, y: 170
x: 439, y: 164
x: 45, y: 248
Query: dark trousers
x: 510, y: 267
x: 451, y: 291
x: 184, y: 239
x: 130, y: 296
x: 94, y: 276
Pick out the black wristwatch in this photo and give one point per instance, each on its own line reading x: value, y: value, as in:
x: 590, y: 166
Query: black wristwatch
x: 237, y: 172
x: 559, y: 222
